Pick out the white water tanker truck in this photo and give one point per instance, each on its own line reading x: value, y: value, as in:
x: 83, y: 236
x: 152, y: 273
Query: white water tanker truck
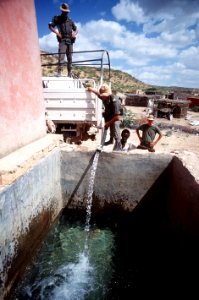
x: 67, y: 103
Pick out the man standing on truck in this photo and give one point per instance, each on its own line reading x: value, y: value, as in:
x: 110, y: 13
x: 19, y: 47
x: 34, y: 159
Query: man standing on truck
x: 66, y: 34
x: 112, y: 105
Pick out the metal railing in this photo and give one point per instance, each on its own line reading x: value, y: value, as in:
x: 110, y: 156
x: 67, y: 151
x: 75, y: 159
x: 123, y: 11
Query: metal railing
x: 87, y: 62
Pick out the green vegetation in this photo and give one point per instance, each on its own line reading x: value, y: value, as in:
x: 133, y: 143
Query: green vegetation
x: 129, y: 119
x: 195, y: 108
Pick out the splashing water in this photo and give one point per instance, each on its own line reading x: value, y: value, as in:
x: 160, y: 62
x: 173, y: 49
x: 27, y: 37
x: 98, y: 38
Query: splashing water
x: 80, y: 281
x: 77, y: 280
x: 75, y: 262
x: 63, y: 269
x: 69, y: 282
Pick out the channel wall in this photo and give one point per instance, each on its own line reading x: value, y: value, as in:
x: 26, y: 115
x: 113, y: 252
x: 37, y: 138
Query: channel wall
x: 30, y: 204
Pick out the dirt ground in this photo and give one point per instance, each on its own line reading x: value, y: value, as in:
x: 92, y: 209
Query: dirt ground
x: 180, y: 138
x: 178, y: 134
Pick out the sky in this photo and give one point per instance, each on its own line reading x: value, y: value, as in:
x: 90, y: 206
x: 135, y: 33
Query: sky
x: 155, y: 41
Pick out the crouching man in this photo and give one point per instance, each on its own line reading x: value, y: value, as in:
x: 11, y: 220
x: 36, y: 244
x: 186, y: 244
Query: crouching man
x: 149, y: 131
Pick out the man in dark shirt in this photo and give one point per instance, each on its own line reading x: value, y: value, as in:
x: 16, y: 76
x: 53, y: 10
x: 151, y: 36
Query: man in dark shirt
x: 66, y: 34
x: 112, y: 105
x: 149, y: 131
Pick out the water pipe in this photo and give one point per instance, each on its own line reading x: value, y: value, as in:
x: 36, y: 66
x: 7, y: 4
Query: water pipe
x: 99, y: 149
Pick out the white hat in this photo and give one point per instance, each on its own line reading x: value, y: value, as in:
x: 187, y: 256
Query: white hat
x: 150, y: 118
x: 105, y: 90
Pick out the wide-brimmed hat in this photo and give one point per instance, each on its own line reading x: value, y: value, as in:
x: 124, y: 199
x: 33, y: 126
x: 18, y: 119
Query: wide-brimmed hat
x: 150, y: 118
x: 64, y: 7
x: 105, y: 90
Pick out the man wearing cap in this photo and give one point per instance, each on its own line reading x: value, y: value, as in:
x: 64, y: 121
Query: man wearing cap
x: 66, y: 34
x: 112, y: 105
x: 149, y: 131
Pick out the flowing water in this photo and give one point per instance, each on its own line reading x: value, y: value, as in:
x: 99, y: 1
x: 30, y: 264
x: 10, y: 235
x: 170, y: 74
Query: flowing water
x: 112, y: 256
x: 90, y: 191
x: 66, y: 268
x: 75, y: 261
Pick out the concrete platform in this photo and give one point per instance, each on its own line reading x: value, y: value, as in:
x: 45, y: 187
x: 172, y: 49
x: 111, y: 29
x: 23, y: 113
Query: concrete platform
x: 19, y: 161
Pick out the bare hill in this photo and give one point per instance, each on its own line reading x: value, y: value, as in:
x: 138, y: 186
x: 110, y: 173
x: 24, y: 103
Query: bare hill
x: 121, y: 81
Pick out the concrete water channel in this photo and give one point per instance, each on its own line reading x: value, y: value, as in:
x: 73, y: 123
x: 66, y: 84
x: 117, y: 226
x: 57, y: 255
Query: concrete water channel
x: 151, y: 201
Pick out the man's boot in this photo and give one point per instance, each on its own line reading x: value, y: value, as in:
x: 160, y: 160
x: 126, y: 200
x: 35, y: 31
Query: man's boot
x: 69, y: 68
x: 109, y: 142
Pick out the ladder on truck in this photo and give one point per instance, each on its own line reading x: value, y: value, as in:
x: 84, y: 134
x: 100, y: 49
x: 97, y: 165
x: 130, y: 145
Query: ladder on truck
x: 67, y: 103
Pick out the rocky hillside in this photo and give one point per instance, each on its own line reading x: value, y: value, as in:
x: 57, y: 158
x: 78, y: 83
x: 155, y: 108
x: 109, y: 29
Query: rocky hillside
x: 121, y: 81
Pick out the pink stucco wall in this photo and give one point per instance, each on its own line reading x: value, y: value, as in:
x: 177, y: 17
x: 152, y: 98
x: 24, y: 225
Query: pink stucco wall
x: 22, y: 117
